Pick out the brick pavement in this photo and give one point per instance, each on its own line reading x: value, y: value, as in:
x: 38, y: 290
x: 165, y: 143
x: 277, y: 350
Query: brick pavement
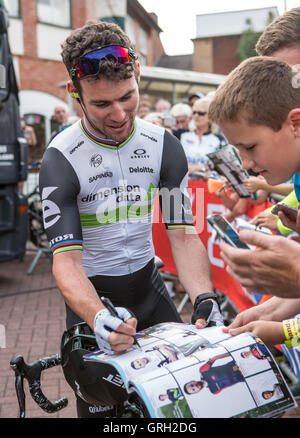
x: 33, y: 313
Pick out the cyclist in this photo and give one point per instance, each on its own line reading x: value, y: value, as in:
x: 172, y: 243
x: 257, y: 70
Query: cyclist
x: 97, y: 183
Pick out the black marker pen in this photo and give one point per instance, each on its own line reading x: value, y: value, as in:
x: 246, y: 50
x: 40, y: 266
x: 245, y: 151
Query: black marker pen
x: 111, y: 308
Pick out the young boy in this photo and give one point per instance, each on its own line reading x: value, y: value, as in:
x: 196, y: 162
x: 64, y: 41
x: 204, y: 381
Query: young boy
x: 258, y: 110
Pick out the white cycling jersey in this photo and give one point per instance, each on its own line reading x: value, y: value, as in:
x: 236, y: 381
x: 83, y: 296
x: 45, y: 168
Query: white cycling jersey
x: 98, y: 195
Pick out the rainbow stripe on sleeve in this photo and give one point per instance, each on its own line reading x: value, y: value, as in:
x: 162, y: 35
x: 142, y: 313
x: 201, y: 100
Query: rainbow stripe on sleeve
x: 174, y: 225
x: 67, y: 245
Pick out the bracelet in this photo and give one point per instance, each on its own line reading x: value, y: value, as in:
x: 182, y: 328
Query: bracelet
x: 205, y: 296
x: 291, y: 332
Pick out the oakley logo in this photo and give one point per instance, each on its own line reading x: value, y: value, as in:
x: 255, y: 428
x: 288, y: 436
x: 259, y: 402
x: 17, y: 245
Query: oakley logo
x: 96, y: 160
x: 50, y: 209
x: 140, y: 153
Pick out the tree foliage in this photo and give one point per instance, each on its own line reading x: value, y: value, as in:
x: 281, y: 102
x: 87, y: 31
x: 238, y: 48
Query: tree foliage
x: 247, y: 42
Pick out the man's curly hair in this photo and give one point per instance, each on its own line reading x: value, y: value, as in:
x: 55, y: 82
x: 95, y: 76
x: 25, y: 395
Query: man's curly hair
x: 90, y: 37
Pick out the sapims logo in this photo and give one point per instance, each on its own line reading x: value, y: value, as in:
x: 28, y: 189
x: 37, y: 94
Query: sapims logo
x: 95, y: 160
x: 140, y: 153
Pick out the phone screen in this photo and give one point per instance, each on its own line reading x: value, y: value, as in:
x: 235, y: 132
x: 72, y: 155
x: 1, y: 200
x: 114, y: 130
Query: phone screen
x: 225, y: 230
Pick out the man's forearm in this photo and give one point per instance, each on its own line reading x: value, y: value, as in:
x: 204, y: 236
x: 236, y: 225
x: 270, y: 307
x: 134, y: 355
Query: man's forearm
x: 192, y: 264
x: 77, y: 290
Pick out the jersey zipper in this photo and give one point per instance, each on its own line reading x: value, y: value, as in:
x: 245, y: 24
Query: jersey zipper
x: 125, y: 224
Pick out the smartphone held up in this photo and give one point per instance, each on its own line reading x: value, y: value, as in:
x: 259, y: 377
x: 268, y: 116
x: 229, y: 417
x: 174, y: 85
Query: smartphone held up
x: 226, y: 231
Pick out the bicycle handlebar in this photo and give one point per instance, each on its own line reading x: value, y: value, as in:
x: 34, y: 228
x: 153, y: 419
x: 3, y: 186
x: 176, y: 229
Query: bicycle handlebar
x: 32, y: 373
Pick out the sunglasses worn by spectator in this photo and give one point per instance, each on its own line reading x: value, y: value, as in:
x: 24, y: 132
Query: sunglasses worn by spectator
x: 89, y: 64
x: 200, y: 113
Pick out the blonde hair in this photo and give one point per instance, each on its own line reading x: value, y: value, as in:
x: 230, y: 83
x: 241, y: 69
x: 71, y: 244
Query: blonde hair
x: 205, y: 102
x: 261, y: 90
x: 154, y: 118
x: 181, y: 109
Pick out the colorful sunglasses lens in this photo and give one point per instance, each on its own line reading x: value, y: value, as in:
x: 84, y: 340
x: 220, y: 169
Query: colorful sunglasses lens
x: 89, y: 64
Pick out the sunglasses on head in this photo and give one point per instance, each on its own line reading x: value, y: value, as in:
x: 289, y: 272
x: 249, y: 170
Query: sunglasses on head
x: 89, y: 64
x: 200, y: 113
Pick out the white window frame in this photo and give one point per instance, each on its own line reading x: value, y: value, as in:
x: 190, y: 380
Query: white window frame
x: 55, y: 12
x: 129, y: 28
x: 143, y: 49
x: 13, y: 8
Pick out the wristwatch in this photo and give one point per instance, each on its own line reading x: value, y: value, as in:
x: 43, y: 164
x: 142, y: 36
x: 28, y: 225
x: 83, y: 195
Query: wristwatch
x: 206, y: 296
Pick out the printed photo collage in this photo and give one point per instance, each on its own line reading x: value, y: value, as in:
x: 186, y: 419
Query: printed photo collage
x: 179, y: 373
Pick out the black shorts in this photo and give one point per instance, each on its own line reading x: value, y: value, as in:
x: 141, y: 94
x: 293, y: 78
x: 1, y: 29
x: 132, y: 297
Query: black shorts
x: 143, y: 293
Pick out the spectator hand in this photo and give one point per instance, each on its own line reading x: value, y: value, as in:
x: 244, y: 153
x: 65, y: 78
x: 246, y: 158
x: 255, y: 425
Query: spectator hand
x: 114, y: 334
x: 272, y: 268
x: 254, y: 313
x: 294, y: 237
x: 287, y: 222
x: 253, y: 183
x: 265, y: 219
x: 270, y: 332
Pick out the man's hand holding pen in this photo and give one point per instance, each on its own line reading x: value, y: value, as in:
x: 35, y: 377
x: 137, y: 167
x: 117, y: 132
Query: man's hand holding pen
x: 114, y: 328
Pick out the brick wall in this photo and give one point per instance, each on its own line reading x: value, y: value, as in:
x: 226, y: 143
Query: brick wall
x: 83, y: 11
x: 224, y: 54
x: 203, y: 55
x: 216, y: 55
x: 28, y: 13
x: 43, y: 76
x: 154, y: 48
x: 38, y: 74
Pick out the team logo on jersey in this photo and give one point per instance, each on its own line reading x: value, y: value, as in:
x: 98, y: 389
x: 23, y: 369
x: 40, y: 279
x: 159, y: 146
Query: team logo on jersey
x: 150, y: 137
x: 95, y: 160
x: 76, y: 147
x: 139, y: 169
x: 122, y: 193
x: 50, y: 209
x: 107, y: 174
x: 140, y: 153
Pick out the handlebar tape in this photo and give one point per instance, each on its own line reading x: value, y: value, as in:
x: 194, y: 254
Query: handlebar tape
x: 32, y: 373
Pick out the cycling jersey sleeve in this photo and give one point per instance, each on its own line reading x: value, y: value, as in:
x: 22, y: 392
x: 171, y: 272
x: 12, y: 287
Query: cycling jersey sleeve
x: 173, y: 194
x: 59, y: 187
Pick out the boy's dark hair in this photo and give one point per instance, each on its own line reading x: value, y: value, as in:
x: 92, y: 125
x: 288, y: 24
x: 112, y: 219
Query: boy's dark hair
x: 90, y: 37
x: 282, y: 33
x: 261, y: 90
